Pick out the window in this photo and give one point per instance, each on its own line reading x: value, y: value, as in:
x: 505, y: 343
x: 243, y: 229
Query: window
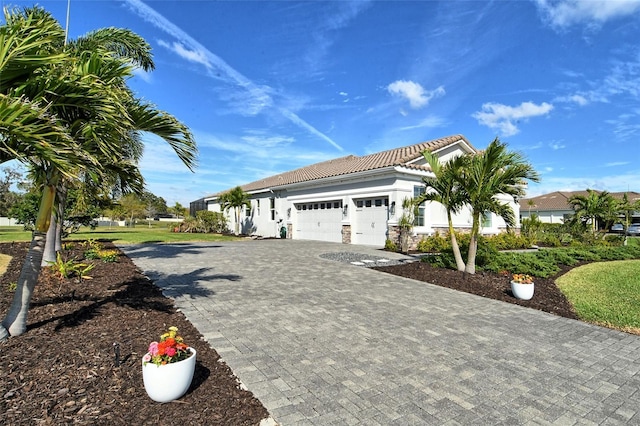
x: 378, y: 202
x: 359, y: 203
x: 420, y: 210
x: 258, y: 205
x: 247, y: 211
x: 272, y: 208
x: 337, y: 204
x: 322, y: 206
x: 367, y: 203
x: 486, y: 220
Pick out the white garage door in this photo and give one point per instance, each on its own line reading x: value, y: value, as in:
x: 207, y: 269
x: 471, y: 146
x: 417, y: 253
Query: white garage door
x: 320, y: 221
x: 370, y: 221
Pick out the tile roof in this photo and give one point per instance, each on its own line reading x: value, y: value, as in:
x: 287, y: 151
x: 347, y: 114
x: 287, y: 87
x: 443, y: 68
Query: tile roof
x: 559, y: 200
x: 353, y: 164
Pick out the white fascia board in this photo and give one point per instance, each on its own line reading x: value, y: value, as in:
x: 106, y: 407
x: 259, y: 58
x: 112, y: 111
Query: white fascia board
x: 349, y: 178
x: 413, y: 172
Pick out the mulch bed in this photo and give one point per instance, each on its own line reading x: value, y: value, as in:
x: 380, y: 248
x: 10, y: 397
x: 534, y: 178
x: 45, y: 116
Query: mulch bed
x: 63, y: 369
x: 547, y: 297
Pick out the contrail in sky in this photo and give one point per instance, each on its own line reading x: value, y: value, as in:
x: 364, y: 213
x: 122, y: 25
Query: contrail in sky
x: 217, y: 68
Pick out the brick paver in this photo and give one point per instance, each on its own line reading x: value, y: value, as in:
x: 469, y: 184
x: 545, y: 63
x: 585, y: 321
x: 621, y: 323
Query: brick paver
x: 321, y: 342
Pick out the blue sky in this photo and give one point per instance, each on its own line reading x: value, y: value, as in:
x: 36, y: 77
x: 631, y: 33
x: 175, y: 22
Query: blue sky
x: 268, y: 87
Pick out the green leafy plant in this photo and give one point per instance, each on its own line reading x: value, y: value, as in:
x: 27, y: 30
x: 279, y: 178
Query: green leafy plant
x: 108, y: 255
x: 67, y: 268
x: 12, y: 286
x: 390, y: 245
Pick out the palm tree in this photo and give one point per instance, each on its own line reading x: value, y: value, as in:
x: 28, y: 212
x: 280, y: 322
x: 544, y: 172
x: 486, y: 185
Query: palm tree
x: 237, y: 199
x: 28, y: 128
x: 484, y: 177
x: 593, y: 206
x: 444, y: 187
x: 99, y: 118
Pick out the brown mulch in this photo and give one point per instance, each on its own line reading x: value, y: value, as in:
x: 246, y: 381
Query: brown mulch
x: 547, y: 297
x: 63, y: 370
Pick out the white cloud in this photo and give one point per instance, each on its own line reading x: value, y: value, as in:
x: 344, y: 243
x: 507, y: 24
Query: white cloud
x: 504, y: 118
x: 196, y: 55
x: 414, y: 92
x: 430, y: 122
x: 593, y: 13
x: 576, y: 99
x: 617, y: 163
x: 268, y: 141
x: 556, y: 146
x: 145, y: 76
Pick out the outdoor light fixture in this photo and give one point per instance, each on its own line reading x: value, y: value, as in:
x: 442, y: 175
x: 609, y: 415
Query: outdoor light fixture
x: 392, y: 209
x: 344, y: 210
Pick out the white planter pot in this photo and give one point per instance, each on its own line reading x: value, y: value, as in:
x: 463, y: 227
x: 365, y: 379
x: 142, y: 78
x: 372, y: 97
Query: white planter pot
x: 522, y: 291
x: 165, y: 383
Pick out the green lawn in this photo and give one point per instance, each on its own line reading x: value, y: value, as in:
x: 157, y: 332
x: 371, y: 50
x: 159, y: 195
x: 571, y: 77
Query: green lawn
x: 606, y: 293
x: 122, y: 235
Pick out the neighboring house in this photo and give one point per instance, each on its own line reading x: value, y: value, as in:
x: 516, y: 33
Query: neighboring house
x: 353, y: 200
x: 555, y: 207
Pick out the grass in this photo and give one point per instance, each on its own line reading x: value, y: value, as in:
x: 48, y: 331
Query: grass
x: 121, y: 235
x: 605, y: 293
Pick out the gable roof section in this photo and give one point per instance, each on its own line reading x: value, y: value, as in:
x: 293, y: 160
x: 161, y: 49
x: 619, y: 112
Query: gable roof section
x: 354, y: 164
x: 559, y: 200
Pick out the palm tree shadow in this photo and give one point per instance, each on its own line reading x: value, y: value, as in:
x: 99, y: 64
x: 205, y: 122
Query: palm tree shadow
x: 192, y: 284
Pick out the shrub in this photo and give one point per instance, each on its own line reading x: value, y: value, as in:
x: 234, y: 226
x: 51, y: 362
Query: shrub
x: 390, y: 245
x: 435, y: 243
x: 108, y: 255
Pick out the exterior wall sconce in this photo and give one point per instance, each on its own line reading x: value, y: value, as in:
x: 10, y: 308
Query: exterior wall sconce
x: 344, y: 210
x: 392, y: 208
x: 289, y: 213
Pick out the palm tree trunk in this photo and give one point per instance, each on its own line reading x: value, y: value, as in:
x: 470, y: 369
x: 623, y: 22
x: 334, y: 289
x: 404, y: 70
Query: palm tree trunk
x: 237, y: 220
x: 62, y: 203
x: 473, y: 245
x: 15, y: 323
x: 454, y: 244
x: 49, y: 253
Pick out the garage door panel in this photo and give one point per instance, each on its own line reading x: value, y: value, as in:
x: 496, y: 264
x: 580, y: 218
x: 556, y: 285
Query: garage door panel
x: 370, y: 221
x: 320, y: 221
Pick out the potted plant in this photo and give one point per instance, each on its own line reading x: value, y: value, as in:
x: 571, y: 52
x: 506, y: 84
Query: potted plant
x: 168, y: 367
x: 522, y: 286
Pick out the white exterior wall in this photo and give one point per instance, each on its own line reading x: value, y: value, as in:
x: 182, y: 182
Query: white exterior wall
x: 392, y: 184
x: 555, y: 216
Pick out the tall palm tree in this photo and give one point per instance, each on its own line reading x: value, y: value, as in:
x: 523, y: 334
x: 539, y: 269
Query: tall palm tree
x: 100, y: 118
x: 445, y: 188
x: 487, y: 175
x: 235, y: 199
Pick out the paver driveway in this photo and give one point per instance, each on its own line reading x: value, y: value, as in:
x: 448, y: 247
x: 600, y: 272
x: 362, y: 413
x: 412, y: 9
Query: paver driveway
x: 323, y: 342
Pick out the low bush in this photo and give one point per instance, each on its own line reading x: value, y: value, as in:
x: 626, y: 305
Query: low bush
x: 542, y: 263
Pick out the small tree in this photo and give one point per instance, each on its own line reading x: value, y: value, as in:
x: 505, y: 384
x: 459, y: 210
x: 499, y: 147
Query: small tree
x: 445, y: 188
x: 235, y: 199
x: 483, y: 178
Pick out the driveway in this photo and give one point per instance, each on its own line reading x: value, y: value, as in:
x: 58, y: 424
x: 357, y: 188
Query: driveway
x: 322, y: 342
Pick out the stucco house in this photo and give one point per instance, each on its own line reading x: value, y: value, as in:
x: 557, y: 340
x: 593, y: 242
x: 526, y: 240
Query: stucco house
x: 352, y: 199
x: 554, y: 207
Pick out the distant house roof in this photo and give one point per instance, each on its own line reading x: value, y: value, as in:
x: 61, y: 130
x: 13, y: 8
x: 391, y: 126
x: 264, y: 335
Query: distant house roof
x: 403, y: 156
x: 559, y: 200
